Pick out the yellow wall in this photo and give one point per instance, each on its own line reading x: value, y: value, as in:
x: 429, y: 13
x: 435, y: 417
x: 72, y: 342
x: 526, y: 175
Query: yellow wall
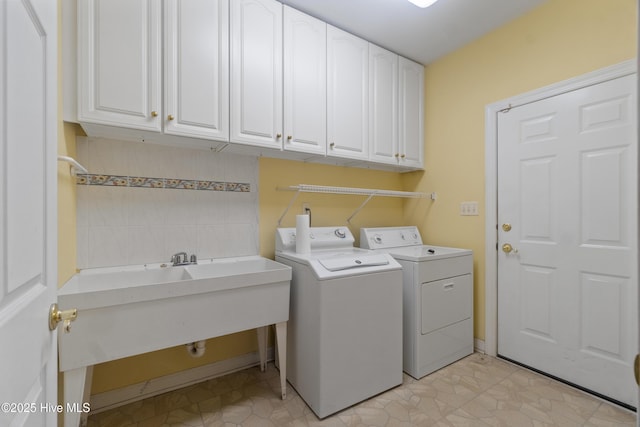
x: 559, y: 40
x: 556, y: 41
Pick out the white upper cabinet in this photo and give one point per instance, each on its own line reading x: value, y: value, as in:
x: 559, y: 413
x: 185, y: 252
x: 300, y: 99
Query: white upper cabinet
x: 347, y: 95
x: 119, y: 54
x: 383, y: 105
x: 411, y: 110
x: 196, y: 94
x: 269, y: 79
x: 305, y: 83
x: 256, y: 72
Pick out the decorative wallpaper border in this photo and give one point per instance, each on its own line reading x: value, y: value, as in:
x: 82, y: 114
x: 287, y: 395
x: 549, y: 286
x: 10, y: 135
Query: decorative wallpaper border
x: 172, y: 183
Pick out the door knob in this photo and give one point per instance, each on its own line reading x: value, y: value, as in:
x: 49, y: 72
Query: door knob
x: 154, y: 114
x: 507, y: 248
x: 506, y: 226
x: 170, y: 117
x: 66, y: 316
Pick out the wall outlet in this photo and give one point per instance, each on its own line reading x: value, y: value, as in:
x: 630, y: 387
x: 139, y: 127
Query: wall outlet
x: 469, y: 209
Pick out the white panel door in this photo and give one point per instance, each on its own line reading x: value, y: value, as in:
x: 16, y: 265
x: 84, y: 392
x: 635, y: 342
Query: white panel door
x: 383, y: 105
x: 411, y: 111
x: 305, y: 83
x: 567, y: 186
x: 28, y: 137
x: 119, y: 54
x: 347, y: 95
x: 197, y: 68
x: 256, y: 72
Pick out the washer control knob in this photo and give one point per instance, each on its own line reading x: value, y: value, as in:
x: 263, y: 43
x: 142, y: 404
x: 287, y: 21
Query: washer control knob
x: 340, y: 233
x: 377, y: 238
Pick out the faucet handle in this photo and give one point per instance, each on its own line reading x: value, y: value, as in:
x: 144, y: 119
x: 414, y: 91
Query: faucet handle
x: 193, y: 259
x: 179, y: 258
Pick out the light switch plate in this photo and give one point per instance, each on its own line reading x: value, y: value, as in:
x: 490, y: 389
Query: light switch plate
x: 469, y: 209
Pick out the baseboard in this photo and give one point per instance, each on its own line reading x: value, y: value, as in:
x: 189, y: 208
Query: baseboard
x: 478, y: 345
x: 112, y: 399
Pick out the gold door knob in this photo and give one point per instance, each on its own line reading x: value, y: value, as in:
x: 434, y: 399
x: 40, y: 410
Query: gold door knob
x: 506, y: 226
x: 507, y: 248
x: 289, y: 137
x: 403, y: 156
x: 154, y: 114
x: 278, y: 135
x: 170, y: 117
x: 397, y: 155
x: 56, y: 316
x: 636, y: 368
x: 333, y: 144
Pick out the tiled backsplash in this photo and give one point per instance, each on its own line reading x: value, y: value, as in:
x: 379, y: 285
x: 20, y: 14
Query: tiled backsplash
x: 123, y: 221
x: 167, y: 183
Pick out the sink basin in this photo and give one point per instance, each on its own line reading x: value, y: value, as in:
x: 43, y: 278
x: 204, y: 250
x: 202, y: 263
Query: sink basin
x: 96, y: 288
x: 239, y: 272
x: 125, y: 278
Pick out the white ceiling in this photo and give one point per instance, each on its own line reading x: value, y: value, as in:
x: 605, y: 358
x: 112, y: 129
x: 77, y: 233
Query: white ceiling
x: 423, y: 35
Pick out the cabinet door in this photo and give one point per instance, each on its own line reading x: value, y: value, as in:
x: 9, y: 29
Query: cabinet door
x: 256, y: 72
x: 347, y: 95
x: 119, y: 63
x: 305, y: 83
x: 411, y: 106
x: 383, y: 105
x: 197, y: 68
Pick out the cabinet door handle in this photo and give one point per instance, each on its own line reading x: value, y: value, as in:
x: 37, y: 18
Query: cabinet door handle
x: 154, y: 114
x: 333, y: 144
x: 170, y: 117
x: 278, y: 135
x: 289, y: 137
x: 403, y: 156
x: 397, y: 155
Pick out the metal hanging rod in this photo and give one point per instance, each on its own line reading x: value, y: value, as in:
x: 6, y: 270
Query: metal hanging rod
x: 370, y: 192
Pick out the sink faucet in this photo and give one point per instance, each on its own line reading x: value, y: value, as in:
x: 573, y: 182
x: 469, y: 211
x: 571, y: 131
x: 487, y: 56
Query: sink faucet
x: 181, y: 259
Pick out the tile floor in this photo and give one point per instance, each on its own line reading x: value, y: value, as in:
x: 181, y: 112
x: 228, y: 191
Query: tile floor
x: 476, y: 391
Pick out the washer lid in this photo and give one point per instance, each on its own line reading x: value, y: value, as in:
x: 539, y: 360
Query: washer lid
x: 339, y: 264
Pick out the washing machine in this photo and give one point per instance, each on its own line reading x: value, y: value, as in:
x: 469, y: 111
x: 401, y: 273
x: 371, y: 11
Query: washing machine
x: 437, y: 297
x: 344, y: 334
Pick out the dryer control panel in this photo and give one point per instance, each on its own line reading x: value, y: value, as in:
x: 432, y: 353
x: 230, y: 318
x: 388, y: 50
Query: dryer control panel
x: 389, y: 237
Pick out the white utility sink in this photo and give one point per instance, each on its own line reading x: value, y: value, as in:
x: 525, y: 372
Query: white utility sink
x: 137, y: 309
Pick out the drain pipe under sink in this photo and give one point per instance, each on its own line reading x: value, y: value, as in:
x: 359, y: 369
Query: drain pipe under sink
x: 196, y: 349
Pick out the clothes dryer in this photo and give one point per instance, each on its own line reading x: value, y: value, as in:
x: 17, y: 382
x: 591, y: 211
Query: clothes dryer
x: 437, y: 297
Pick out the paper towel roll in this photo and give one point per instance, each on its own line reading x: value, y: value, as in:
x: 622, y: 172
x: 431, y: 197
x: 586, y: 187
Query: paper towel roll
x: 303, y: 240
